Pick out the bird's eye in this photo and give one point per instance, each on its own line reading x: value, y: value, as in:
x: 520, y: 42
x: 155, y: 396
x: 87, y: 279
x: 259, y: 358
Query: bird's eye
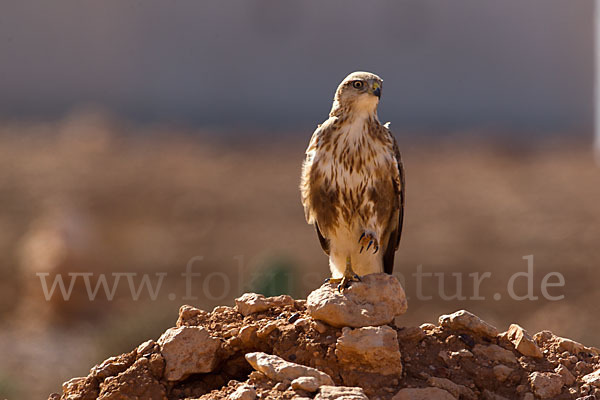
x: 357, y: 84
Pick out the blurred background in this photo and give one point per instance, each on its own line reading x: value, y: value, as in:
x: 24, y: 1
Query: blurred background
x: 147, y: 138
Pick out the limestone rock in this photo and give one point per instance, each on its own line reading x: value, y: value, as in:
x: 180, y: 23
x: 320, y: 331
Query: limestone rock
x: 374, y: 301
x: 188, y: 350
x: 251, y: 303
x: 570, y: 345
x: 371, y: 349
x: 423, y: 394
x: 307, y: 383
x: 465, y: 320
x: 244, y: 392
x: 281, y: 370
x: 523, y: 342
x: 592, y: 378
x: 546, y: 385
x: 495, y: 353
x: 190, y: 316
x: 341, y: 393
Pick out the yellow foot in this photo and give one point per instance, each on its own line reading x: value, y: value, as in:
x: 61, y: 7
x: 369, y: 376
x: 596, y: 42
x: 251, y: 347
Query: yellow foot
x: 345, y: 282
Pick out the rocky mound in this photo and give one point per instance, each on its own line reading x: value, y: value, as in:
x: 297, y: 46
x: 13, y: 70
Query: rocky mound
x: 349, y: 345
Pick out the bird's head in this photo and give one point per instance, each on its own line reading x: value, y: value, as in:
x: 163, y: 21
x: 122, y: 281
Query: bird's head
x: 359, y: 93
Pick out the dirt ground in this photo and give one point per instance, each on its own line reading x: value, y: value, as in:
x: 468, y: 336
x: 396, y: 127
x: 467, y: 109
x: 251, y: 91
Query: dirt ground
x: 465, y: 362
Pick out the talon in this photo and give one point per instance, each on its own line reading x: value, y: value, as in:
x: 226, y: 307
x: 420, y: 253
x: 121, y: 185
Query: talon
x: 361, y: 249
x: 333, y: 281
x: 376, y: 249
x: 361, y: 236
x: 369, y: 245
x: 357, y: 278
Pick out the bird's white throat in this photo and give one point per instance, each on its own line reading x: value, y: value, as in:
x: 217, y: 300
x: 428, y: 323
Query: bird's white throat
x: 365, y: 104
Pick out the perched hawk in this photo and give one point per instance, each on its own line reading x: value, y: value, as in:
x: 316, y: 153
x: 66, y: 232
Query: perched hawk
x: 353, y: 183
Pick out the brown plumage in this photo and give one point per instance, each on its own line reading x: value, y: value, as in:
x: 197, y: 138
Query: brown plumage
x: 353, y: 182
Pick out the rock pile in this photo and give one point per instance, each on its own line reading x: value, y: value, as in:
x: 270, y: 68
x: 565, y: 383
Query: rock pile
x: 337, y: 346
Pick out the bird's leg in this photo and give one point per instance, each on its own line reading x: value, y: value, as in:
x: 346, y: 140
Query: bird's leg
x: 349, y: 277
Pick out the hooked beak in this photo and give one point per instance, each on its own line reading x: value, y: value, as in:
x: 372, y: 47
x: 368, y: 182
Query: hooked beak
x: 377, y: 90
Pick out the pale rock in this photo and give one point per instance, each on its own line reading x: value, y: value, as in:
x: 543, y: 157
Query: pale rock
x: 281, y: 370
x: 244, y: 392
x: 146, y: 347
x: 73, y: 384
x: 251, y: 303
x: 303, y: 322
x: 429, y: 393
x: 188, y: 350
x: 462, y: 353
x: 502, y: 372
x: 428, y: 326
x: 567, y: 376
x: 465, y: 320
x: 320, y: 326
x: 495, y: 353
x: 328, y: 392
x: 188, y: 314
x: 570, y: 345
x: 546, y: 385
x: 221, y: 310
x: 370, y: 349
x: 523, y: 342
x: 453, y: 388
x: 307, y: 383
x: 373, y: 301
x: 528, y: 396
x: 247, y: 333
x: 592, y: 378
x: 564, y: 344
x: 266, y: 330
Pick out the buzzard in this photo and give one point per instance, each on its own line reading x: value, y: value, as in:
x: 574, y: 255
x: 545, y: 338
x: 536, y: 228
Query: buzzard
x: 352, y: 185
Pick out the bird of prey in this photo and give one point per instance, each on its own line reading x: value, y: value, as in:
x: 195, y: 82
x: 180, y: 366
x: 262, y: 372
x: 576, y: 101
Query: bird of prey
x: 352, y: 185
